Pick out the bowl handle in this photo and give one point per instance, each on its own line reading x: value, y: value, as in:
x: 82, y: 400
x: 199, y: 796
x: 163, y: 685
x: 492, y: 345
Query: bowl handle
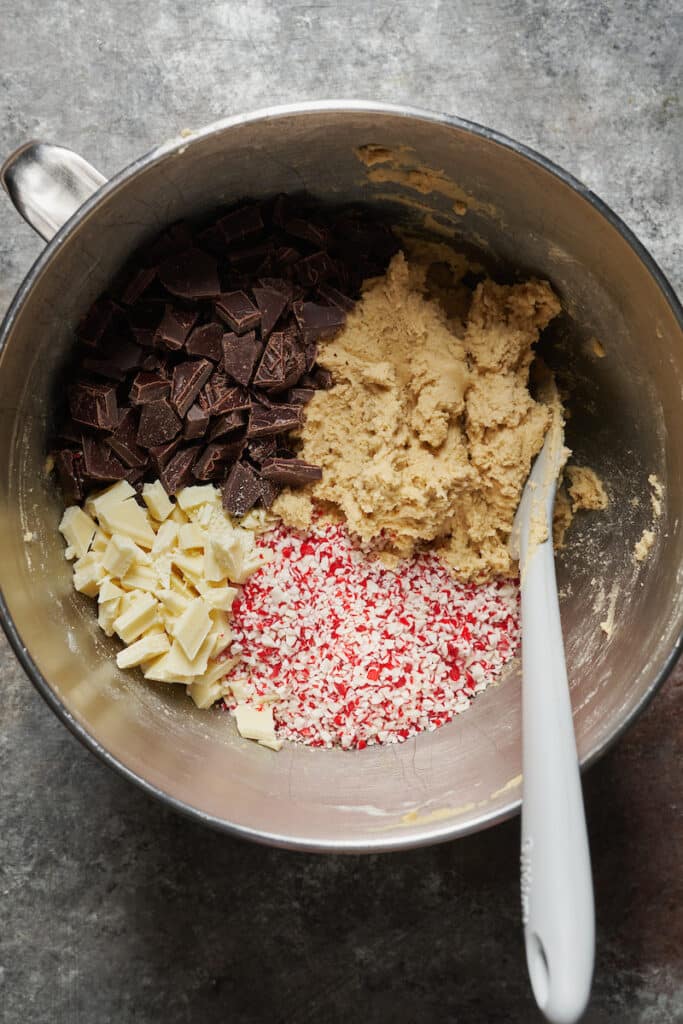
x: 47, y: 184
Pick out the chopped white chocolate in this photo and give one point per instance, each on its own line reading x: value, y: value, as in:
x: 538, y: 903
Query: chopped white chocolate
x: 141, y: 614
x: 220, y: 598
x: 157, y: 500
x: 179, y: 662
x: 120, y: 554
x: 118, y: 492
x: 109, y: 591
x: 173, y: 601
x: 141, y: 577
x: 191, y: 566
x: 193, y: 626
x: 100, y: 541
x: 178, y: 516
x: 166, y: 537
x: 204, y: 694
x: 271, y: 744
x: 145, y: 649
x: 191, y: 535
x: 78, y: 529
x: 159, y: 671
x: 128, y: 518
x: 88, y: 574
x: 255, y: 723
x: 107, y: 613
x: 191, y: 497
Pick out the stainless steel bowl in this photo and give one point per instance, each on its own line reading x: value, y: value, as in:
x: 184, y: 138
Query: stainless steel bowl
x: 627, y: 423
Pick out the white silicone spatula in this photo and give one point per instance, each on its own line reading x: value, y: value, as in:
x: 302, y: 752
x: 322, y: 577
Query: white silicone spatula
x: 557, y: 890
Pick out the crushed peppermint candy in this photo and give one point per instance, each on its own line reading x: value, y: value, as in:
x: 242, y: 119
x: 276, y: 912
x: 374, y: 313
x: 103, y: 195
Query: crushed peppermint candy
x: 353, y: 653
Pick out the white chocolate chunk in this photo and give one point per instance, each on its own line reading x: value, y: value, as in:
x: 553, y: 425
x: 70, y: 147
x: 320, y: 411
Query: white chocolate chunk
x: 128, y: 518
x: 173, y: 602
x: 69, y: 553
x: 137, y: 618
x: 191, y: 497
x: 88, y: 574
x: 191, y: 566
x: 190, y: 535
x: 107, y: 613
x: 193, y: 626
x: 78, y: 529
x: 110, y: 496
x: 120, y: 554
x: 177, y: 516
x: 219, y: 670
x: 109, y: 591
x: 145, y: 649
x: 166, y: 537
x: 157, y: 500
x: 271, y: 744
x: 205, y: 694
x: 189, y: 668
x: 255, y: 723
x: 159, y: 671
x: 141, y: 577
x: 100, y: 542
x: 219, y: 598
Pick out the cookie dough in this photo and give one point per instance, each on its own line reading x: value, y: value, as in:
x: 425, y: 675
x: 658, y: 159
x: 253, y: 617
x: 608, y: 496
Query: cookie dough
x: 428, y: 435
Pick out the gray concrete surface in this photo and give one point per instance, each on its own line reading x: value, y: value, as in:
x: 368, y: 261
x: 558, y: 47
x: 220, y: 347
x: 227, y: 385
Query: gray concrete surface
x: 113, y: 909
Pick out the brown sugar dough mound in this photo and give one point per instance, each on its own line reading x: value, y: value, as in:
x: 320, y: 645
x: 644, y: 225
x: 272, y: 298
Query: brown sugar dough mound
x: 427, y: 437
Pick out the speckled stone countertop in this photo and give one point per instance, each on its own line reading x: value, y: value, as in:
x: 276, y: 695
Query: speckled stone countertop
x: 111, y: 907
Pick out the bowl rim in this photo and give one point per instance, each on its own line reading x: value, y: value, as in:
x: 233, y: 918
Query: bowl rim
x: 426, y: 835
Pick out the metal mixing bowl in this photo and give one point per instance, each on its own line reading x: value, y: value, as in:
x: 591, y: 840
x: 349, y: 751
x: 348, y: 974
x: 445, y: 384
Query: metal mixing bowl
x: 627, y: 419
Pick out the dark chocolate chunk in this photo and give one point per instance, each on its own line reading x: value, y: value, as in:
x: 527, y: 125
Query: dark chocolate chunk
x: 99, y: 462
x: 261, y: 448
x: 240, y: 355
x: 314, y: 269
x: 286, y: 256
x: 188, y: 380
x: 205, y: 341
x: 335, y: 297
x: 223, y: 396
x: 104, y: 368
x: 174, y: 328
x: 137, y: 283
x: 238, y: 311
x: 96, y: 321
x: 241, y: 223
x: 118, y: 361
x: 161, y: 454
x: 144, y: 336
x: 191, y: 275
x: 149, y: 386
x: 322, y: 378
x: 269, y: 492
x: 300, y: 396
x: 290, y: 472
x: 306, y: 229
x: 251, y: 258
x: 272, y: 304
x: 267, y: 421
x: 94, y: 405
x: 70, y: 432
x: 123, y: 440
x: 212, y: 463
x: 177, y: 473
x: 317, y: 321
x: 135, y: 478
x: 282, y: 363
x: 278, y: 284
x: 196, y: 422
x: 175, y: 239
x: 70, y: 473
x: 159, y: 423
x: 228, y: 424
x: 241, y: 490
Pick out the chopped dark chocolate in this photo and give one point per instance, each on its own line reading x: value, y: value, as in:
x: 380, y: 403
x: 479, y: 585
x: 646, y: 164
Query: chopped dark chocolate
x: 223, y: 396
x: 282, y: 363
x: 69, y: 469
x: 277, y: 284
x: 336, y: 298
x: 238, y: 311
x: 241, y: 223
x: 99, y: 462
x: 228, y: 424
x: 308, y: 231
x: 192, y: 274
x: 95, y: 322
x: 317, y: 321
x: 196, y: 423
x: 161, y: 454
x: 205, y: 341
x: 149, y: 386
x: 290, y: 472
x: 286, y: 256
x: 137, y: 283
x: 268, y: 421
x: 240, y: 355
x: 272, y: 304
x: 314, y: 269
x: 322, y: 378
x: 300, y: 396
x: 261, y: 448
x: 177, y: 473
x: 269, y: 492
x: 159, y: 423
x: 144, y: 336
x: 123, y: 440
x: 93, y: 405
x: 251, y: 258
x: 104, y: 368
x: 213, y: 462
x: 174, y: 328
x: 241, y: 490
x: 188, y: 380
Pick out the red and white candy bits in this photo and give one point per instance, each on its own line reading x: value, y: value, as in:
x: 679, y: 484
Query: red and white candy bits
x: 353, y: 653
